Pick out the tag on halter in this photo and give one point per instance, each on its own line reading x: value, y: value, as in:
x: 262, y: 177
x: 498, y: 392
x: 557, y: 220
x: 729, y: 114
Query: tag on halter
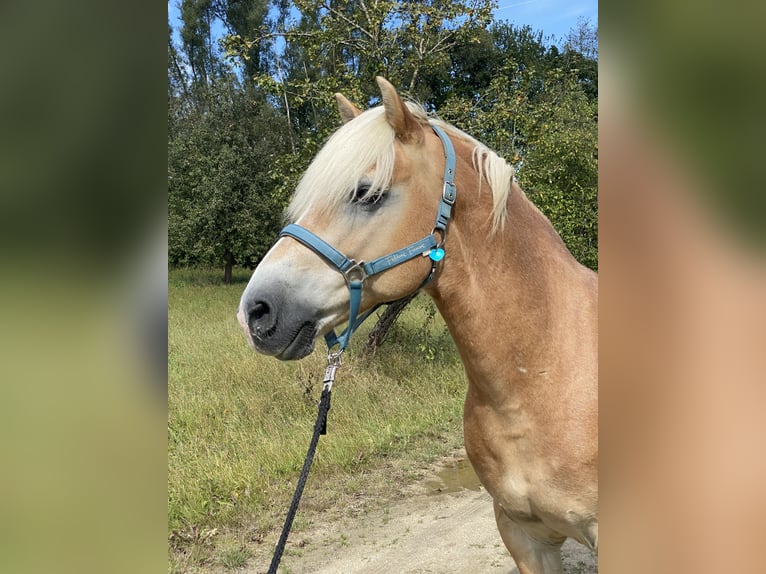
x: 436, y: 254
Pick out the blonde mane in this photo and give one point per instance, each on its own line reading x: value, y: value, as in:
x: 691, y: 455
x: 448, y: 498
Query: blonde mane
x: 369, y: 140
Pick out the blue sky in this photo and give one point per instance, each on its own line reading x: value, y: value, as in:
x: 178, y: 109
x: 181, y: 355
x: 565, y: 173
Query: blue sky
x: 553, y: 17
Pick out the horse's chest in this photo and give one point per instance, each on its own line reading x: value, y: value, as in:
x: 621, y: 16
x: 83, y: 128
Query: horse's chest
x: 513, y: 495
x: 502, y: 463
x: 507, y: 458
x: 523, y: 478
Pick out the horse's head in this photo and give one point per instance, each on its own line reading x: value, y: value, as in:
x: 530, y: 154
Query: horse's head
x: 372, y: 189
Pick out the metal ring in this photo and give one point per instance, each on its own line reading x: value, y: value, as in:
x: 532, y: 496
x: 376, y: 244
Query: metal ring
x: 356, y: 268
x: 443, y: 233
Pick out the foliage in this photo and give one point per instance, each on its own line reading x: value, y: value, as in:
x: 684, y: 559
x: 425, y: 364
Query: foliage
x: 221, y: 203
x: 539, y: 115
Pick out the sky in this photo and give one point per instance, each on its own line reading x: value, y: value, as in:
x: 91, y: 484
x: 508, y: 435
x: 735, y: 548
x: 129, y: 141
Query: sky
x: 553, y: 17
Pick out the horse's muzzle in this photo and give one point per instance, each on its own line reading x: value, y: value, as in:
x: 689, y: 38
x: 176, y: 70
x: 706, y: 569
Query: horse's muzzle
x: 275, y: 330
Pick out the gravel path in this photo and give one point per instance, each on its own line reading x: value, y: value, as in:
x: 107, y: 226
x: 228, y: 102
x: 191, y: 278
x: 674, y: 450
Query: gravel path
x: 441, y: 528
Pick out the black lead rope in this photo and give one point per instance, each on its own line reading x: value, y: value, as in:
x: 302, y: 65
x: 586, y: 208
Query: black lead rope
x: 320, y: 428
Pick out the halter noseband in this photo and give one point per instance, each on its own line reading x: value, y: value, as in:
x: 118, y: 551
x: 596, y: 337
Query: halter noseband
x: 356, y: 272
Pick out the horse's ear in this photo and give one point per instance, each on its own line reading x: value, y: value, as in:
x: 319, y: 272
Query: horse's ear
x: 348, y: 111
x: 399, y: 117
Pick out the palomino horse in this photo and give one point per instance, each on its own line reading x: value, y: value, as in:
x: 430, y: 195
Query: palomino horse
x: 522, y: 311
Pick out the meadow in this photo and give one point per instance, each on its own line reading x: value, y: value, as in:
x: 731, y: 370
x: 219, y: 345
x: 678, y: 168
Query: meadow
x: 239, y: 423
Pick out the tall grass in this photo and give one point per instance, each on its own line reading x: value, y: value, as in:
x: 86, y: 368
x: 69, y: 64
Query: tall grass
x: 239, y: 423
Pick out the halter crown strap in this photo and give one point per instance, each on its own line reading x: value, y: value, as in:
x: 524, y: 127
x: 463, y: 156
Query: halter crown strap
x: 449, y: 193
x: 356, y: 272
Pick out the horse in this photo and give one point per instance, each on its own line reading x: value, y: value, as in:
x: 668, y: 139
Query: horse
x: 521, y: 310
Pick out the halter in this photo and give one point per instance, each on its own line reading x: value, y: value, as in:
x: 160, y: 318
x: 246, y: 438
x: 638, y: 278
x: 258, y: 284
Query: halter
x: 356, y: 272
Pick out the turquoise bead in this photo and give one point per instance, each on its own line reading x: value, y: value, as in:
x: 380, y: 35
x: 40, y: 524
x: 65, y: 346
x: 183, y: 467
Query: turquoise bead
x: 436, y: 254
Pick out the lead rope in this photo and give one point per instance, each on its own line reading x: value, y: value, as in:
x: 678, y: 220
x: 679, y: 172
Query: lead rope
x: 320, y: 428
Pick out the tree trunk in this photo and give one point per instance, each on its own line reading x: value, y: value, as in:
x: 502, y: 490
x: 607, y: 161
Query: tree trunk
x: 227, y: 271
x: 383, y: 326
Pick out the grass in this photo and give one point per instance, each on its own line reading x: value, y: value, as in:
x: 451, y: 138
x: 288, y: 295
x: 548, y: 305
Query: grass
x: 239, y: 423
x: 233, y: 557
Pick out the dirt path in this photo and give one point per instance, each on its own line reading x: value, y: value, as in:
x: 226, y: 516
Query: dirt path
x: 446, y: 526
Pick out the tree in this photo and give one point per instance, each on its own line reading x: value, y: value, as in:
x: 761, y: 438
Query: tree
x: 221, y: 207
x: 538, y: 113
x: 242, y: 17
x: 561, y: 167
x: 197, y: 41
x: 223, y: 135
x: 583, y: 40
x: 341, y: 45
x: 581, y: 54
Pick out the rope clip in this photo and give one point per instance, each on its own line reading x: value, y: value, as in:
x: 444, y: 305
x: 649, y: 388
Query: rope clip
x: 333, y: 364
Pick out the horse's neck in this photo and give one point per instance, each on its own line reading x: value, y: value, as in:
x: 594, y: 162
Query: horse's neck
x: 501, y: 295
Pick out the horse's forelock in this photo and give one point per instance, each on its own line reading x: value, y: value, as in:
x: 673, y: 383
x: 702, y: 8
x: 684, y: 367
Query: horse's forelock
x: 343, y: 161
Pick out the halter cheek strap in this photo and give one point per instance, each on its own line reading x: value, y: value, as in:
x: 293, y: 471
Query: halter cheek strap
x: 356, y: 272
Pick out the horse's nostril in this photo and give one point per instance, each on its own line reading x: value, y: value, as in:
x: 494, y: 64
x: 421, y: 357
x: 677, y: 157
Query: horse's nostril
x: 259, y: 310
x: 260, y: 318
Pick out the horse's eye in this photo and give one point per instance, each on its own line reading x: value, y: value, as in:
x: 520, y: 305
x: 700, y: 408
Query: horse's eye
x: 366, y: 198
x: 360, y: 193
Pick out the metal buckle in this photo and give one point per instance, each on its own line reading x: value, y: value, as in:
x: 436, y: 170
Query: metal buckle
x: 449, y: 199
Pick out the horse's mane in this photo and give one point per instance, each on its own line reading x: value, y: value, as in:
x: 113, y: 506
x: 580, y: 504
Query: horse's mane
x: 369, y: 140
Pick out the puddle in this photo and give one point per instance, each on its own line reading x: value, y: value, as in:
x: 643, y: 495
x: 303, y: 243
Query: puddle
x: 456, y: 475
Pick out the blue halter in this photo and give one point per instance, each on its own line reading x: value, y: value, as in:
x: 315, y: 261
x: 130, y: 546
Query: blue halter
x: 356, y: 272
